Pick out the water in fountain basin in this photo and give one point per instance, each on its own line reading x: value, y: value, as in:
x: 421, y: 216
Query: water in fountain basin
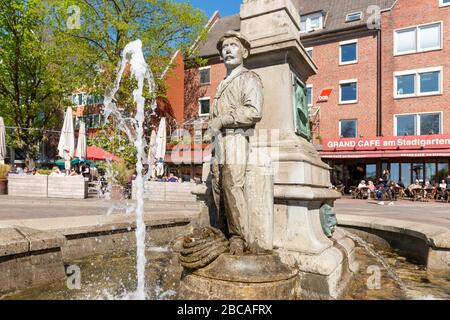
x: 134, y: 128
x: 380, y: 259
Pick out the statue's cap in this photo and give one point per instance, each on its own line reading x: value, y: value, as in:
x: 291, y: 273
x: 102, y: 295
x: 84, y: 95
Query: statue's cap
x: 233, y: 34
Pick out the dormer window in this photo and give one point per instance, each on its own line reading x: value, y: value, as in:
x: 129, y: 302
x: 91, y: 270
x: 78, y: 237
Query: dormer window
x: 311, y: 22
x: 353, y: 17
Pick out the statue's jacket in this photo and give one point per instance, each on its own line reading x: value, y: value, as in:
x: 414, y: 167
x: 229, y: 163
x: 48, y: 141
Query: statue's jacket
x: 239, y: 100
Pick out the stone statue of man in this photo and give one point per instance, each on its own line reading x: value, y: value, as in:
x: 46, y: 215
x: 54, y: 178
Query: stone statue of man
x: 237, y: 107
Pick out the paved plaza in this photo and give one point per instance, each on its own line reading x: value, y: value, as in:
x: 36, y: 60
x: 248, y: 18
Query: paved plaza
x: 15, y: 208
x: 435, y: 213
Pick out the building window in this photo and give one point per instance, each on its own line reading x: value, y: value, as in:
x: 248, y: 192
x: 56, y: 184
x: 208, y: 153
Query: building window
x: 406, y: 85
x: 311, y: 22
x: 353, y: 17
x: 444, y: 3
x: 348, y: 128
x: 422, y: 82
x: 204, y: 106
x: 429, y: 82
x: 430, y: 37
x: 406, y: 125
x: 205, y: 75
x: 418, y: 124
x: 348, y: 52
x: 418, y: 39
x: 348, y: 91
x: 309, y: 51
x: 309, y: 94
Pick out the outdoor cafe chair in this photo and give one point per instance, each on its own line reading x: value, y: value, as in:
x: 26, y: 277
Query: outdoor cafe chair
x: 354, y: 192
x: 340, y: 188
x: 95, y: 187
x: 418, y: 194
x: 364, y: 193
x: 441, y: 194
x: 399, y: 193
x: 429, y: 194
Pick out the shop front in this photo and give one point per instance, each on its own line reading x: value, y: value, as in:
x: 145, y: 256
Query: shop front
x: 407, y: 158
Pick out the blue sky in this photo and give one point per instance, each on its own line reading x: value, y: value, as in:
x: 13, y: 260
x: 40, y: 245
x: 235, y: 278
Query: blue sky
x: 225, y: 7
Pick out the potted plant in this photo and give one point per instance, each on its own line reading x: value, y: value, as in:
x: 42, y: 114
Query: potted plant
x: 4, y: 170
x: 120, y: 177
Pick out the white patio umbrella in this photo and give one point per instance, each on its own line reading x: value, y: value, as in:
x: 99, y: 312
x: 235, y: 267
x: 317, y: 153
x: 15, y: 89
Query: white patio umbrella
x: 66, y: 145
x: 2, y: 142
x: 151, y: 153
x: 152, y: 147
x: 81, y: 145
x: 161, y: 138
x: 160, y: 152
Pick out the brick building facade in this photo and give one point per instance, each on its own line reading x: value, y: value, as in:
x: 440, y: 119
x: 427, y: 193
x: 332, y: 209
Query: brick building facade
x: 386, y: 70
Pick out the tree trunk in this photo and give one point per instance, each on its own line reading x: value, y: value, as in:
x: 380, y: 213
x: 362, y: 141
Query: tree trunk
x: 29, y: 161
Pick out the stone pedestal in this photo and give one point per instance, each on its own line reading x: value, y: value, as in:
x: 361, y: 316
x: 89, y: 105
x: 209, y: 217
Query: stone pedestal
x: 248, y: 277
x: 287, y: 183
x: 301, y: 179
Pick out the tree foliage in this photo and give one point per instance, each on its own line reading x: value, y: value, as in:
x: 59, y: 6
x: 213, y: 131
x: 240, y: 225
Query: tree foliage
x: 50, y: 48
x: 95, y: 44
x: 32, y: 81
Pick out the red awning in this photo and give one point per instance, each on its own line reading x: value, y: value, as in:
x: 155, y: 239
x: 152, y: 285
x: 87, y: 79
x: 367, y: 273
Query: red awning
x: 386, y: 154
x: 96, y: 153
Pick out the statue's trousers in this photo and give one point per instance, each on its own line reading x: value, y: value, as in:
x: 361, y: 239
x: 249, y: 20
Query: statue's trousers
x: 228, y: 179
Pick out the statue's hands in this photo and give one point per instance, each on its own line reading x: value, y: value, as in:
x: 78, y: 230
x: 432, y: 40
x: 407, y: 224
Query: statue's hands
x: 215, y: 124
x: 214, y: 127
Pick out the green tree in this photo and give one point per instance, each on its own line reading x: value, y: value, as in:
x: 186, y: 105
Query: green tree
x: 32, y: 88
x: 93, y: 33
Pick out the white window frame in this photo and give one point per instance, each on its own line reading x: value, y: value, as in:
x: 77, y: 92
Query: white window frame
x: 342, y: 43
x: 340, y: 91
x: 308, y: 21
x: 441, y: 87
x: 417, y: 88
x: 310, y: 49
x: 310, y: 86
x: 200, y: 106
x: 353, y: 13
x: 340, y: 127
x: 417, y: 39
x: 200, y: 78
x: 442, y: 4
x: 418, y: 114
x: 405, y: 73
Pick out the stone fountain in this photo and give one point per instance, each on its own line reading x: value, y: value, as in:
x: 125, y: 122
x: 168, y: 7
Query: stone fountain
x: 293, y: 249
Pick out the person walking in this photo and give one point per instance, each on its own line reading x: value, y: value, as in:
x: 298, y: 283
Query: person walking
x: 385, y: 181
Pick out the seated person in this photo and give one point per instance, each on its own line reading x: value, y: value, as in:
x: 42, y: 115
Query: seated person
x: 362, y: 184
x: 172, y: 178
x: 443, y: 185
x: 428, y: 188
x: 73, y: 172
x: 34, y: 172
x: 415, y: 185
x: 56, y: 172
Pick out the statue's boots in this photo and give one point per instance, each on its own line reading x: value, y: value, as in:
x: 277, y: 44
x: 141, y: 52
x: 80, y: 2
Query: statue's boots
x: 237, y: 246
